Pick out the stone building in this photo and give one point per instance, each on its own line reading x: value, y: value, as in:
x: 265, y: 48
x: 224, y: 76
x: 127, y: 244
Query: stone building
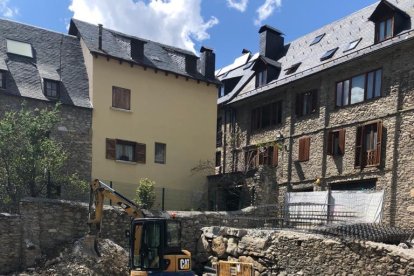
x: 154, y: 113
x: 333, y: 109
x: 40, y: 68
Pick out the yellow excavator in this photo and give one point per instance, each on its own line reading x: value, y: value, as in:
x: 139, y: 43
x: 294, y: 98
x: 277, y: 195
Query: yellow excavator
x: 155, y: 243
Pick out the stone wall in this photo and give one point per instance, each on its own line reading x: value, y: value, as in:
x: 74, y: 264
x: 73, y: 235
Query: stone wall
x: 294, y: 253
x: 10, y: 240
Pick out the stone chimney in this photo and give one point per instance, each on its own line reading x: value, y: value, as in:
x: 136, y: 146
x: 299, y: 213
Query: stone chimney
x: 207, y: 62
x: 271, y: 42
x: 100, y: 28
x: 137, y: 49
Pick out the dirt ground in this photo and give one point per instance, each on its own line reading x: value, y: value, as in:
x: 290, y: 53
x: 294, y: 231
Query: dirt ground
x: 75, y: 259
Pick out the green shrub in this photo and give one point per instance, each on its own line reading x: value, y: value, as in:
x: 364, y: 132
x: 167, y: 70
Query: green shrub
x: 145, y: 194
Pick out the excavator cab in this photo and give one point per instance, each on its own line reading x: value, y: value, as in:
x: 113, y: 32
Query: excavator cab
x: 156, y: 248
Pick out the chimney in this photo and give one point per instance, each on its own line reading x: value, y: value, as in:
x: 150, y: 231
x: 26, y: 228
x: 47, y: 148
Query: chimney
x: 271, y: 42
x: 190, y: 64
x: 207, y: 62
x: 137, y: 49
x: 100, y: 27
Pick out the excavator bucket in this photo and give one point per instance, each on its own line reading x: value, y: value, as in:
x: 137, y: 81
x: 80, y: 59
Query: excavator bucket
x: 90, y: 246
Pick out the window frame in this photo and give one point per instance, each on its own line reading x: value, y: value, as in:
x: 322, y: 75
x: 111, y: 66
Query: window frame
x: 254, y: 157
x: 3, y: 76
x: 363, y: 157
x: 164, y: 159
x: 275, y: 116
x: 329, y: 54
x: 261, y: 78
x: 293, y: 68
x: 118, y: 105
x: 365, y: 88
x: 349, y: 48
x: 139, y: 151
x: 378, y: 28
x: 304, y: 149
x: 125, y: 143
x: 317, y: 39
x: 340, y: 149
x: 299, y: 103
x: 46, y: 91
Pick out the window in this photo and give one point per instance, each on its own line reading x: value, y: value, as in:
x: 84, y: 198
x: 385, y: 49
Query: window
x: 329, y: 54
x: 219, y: 133
x: 2, y: 80
x: 160, y: 153
x: 218, y: 158
x: 352, y: 45
x: 261, y: 156
x: 384, y: 29
x: 359, y: 88
x: 317, y: 39
x: 266, y: 116
x: 304, y: 149
x: 368, y: 145
x: 125, y: 151
x: 19, y: 48
x: 221, y: 91
x: 306, y: 103
x: 292, y: 69
x: 261, y: 78
x: 121, y: 98
x: 51, y: 88
x: 336, y: 142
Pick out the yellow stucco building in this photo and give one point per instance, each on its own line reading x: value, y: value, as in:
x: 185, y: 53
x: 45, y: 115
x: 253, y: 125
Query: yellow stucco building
x: 154, y: 114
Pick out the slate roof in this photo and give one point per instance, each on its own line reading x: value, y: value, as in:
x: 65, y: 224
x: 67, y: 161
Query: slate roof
x: 337, y: 34
x: 56, y: 56
x: 118, y: 45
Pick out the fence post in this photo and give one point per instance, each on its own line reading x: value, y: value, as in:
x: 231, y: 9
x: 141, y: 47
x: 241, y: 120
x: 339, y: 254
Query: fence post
x: 110, y: 185
x: 162, y: 199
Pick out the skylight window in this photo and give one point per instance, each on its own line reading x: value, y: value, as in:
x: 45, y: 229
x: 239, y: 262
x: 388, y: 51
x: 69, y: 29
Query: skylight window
x: 352, y: 44
x: 329, y: 54
x: 292, y: 69
x: 317, y: 39
x: 19, y: 48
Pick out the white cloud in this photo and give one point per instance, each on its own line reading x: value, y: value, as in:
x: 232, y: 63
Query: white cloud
x: 173, y: 22
x: 7, y: 11
x: 239, y: 5
x: 266, y: 10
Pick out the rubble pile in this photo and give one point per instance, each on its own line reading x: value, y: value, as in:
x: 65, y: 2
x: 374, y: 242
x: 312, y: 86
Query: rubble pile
x: 76, y: 259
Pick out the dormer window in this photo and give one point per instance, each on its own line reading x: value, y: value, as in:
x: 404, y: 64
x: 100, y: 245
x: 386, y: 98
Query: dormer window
x: 389, y: 20
x: 261, y: 78
x: 51, y: 89
x: 384, y: 29
x: 19, y: 48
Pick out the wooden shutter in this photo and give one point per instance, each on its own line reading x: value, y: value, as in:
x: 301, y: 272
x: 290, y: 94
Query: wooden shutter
x: 275, y: 157
x: 304, y: 149
x: 314, y: 96
x: 379, y: 142
x: 299, y: 104
x: 329, y: 150
x: 358, y: 147
x: 140, y: 153
x: 341, y: 142
x: 110, y: 149
x: 121, y: 98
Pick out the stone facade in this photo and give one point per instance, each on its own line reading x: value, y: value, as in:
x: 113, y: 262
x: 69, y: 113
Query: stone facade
x: 395, y: 108
x: 294, y: 253
x: 73, y: 131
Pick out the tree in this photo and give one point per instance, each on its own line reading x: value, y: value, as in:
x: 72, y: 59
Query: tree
x: 29, y: 157
x: 145, y: 194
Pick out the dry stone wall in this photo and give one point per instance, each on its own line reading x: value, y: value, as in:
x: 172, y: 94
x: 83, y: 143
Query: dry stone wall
x: 294, y: 253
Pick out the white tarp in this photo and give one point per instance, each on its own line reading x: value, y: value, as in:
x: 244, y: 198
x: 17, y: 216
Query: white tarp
x: 335, y: 207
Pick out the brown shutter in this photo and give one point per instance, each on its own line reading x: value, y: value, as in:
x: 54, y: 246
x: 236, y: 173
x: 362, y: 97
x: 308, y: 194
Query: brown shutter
x: 275, y: 157
x: 379, y: 142
x: 341, y: 141
x: 358, y: 147
x: 110, y: 149
x: 304, y: 149
x: 140, y: 153
x: 121, y: 98
x: 299, y: 104
x: 329, y: 150
x: 314, y: 95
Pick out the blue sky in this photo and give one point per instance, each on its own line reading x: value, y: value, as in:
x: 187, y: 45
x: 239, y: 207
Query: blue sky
x: 188, y: 23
